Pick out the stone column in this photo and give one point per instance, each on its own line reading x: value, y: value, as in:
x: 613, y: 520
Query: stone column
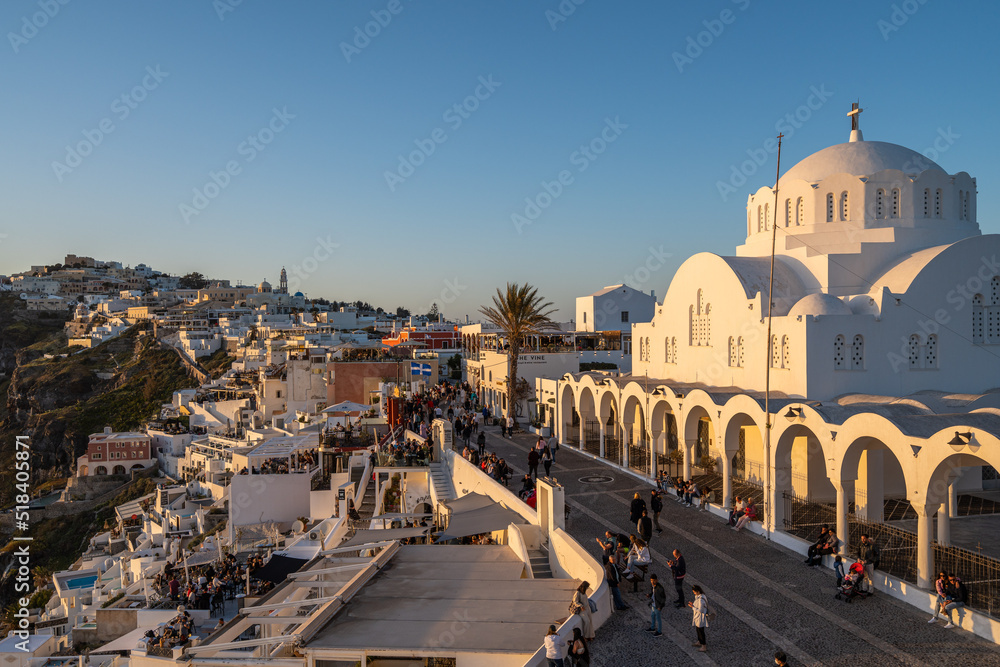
x: 844, y: 488
x: 583, y: 433
x: 952, y: 496
x: 601, y: 451
x: 626, y: 442
x: 727, y: 480
x: 688, y: 449
x: 925, y: 551
x: 944, y: 525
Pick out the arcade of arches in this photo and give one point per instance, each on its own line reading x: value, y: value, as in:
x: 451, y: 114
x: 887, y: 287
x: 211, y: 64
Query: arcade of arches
x: 847, y: 455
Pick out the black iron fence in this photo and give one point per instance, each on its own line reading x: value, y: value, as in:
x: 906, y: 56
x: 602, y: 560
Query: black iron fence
x: 638, y: 457
x: 898, y: 550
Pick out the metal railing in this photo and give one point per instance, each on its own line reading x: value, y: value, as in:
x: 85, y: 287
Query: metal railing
x: 980, y: 573
x: 638, y: 457
x: 898, y: 550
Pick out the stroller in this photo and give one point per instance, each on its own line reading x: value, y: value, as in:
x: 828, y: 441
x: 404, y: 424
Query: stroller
x: 849, y: 588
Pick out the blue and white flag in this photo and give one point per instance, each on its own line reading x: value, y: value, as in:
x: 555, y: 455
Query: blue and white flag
x: 417, y: 368
x: 425, y: 369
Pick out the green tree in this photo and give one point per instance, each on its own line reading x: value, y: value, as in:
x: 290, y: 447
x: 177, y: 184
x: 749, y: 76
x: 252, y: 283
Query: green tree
x: 402, y: 312
x: 193, y: 280
x: 519, y: 312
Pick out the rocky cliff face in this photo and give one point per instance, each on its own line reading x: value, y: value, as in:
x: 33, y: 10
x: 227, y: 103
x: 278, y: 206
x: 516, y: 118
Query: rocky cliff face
x: 59, y: 401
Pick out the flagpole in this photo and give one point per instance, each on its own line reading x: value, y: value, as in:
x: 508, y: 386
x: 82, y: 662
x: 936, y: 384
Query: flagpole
x: 768, y: 508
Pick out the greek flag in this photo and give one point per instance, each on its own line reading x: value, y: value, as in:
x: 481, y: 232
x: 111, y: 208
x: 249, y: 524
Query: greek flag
x: 419, y: 369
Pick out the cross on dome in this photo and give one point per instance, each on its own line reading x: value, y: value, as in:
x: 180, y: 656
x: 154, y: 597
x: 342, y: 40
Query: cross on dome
x: 855, y: 114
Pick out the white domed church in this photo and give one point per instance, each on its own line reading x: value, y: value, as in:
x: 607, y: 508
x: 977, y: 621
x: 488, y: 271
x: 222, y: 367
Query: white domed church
x: 883, y: 359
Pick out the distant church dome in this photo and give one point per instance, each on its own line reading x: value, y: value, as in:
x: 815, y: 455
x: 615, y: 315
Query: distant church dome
x: 264, y: 288
x: 859, y: 158
x: 820, y: 304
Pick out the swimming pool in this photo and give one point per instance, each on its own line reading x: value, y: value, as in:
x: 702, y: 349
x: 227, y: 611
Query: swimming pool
x: 80, y: 582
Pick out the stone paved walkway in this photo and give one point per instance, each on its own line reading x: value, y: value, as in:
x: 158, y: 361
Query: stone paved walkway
x: 766, y: 598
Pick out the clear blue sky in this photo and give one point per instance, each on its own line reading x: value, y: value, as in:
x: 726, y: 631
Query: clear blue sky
x: 444, y: 233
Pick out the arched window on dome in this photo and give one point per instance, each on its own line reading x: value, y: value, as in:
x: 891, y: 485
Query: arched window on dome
x: 788, y: 212
x: 927, y: 202
x: 938, y: 195
x: 879, y: 204
x: 930, y: 352
x: 838, y: 352
x: 767, y: 217
x: 894, y: 212
x: 977, y: 318
x: 829, y: 207
x: 786, y: 353
x: 843, y: 206
x: 732, y: 352
x: 914, y: 348
x: 800, y: 212
x: 858, y: 353
x: 739, y: 351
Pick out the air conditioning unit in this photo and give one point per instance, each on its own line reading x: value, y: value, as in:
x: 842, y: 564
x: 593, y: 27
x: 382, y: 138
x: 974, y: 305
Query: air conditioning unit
x: 314, y: 535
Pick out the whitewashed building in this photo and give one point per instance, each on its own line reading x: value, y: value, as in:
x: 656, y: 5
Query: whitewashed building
x: 883, y: 354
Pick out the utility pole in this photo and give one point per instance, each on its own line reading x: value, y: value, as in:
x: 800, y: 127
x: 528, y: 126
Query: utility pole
x: 768, y: 509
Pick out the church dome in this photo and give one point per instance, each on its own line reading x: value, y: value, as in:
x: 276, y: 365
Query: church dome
x: 859, y: 158
x: 264, y: 287
x: 820, y: 304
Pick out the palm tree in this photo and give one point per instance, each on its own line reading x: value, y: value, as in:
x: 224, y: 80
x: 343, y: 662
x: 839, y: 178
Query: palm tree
x: 519, y: 312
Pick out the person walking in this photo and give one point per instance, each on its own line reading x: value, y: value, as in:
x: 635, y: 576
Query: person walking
x: 510, y: 426
x: 553, y: 446
x: 581, y: 600
x: 678, y: 569
x: 614, y: 578
x: 657, y: 600
x: 555, y: 648
x: 481, y: 442
x: 645, y: 527
x: 533, y: 463
x: 656, y: 505
x: 503, y: 428
x: 699, y: 617
x: 636, y: 508
x: 547, y: 460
